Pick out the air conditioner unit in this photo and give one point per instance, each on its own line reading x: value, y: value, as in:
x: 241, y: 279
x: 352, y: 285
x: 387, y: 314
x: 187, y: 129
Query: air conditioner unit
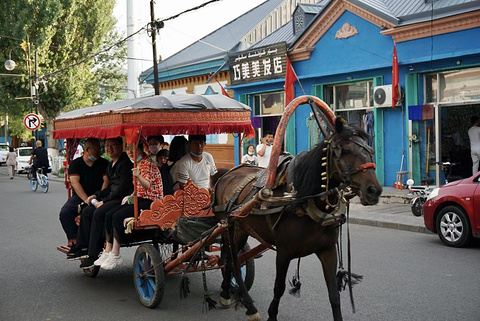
x: 382, y: 96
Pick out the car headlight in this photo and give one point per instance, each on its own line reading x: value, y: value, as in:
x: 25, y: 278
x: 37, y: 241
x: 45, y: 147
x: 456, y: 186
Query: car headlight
x: 433, y: 193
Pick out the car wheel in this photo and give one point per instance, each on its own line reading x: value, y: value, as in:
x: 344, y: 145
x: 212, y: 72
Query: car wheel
x: 453, y: 227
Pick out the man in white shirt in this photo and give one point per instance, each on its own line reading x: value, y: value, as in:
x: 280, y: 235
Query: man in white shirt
x: 197, y: 165
x: 264, y: 150
x: 474, y: 135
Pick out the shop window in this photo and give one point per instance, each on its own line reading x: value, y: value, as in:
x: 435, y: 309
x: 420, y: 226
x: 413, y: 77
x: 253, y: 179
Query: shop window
x: 453, y: 86
x: 269, y: 104
x: 353, y: 101
x: 357, y: 95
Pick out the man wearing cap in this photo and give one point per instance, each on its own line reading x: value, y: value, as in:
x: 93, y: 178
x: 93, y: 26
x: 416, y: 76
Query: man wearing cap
x: 197, y: 165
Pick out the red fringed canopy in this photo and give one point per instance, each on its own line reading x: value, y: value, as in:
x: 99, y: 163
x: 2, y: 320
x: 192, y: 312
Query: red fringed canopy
x: 157, y: 115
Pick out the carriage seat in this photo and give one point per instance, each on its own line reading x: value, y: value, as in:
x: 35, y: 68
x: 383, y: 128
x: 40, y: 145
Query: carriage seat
x: 192, y: 201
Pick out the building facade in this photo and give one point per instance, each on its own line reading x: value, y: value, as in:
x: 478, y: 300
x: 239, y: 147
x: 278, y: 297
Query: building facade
x: 341, y: 51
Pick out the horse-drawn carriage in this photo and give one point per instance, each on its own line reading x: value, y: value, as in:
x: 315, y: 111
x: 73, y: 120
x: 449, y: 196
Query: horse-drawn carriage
x: 294, y: 206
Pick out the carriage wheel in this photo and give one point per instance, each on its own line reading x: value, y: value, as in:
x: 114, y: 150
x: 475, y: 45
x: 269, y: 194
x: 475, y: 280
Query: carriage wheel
x: 148, y: 276
x: 33, y: 184
x: 91, y: 272
x: 247, y: 269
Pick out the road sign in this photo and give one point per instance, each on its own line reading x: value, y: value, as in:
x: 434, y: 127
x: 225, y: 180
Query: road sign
x: 32, y: 121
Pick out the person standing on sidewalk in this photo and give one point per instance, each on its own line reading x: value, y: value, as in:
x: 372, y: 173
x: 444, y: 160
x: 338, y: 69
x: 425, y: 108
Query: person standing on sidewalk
x: 11, y: 162
x: 474, y: 136
x: 264, y: 150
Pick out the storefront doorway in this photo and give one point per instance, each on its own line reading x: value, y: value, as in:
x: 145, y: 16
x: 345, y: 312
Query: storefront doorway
x: 455, y: 144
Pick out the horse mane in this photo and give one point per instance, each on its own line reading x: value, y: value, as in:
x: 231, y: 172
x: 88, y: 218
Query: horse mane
x: 307, y: 178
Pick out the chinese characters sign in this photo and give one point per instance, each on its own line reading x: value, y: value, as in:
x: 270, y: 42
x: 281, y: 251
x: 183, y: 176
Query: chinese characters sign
x: 258, y: 64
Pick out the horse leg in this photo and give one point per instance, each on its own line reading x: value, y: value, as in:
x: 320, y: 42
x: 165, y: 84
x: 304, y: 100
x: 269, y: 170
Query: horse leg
x: 282, y: 263
x: 329, y: 263
x: 226, y: 272
x: 246, y: 299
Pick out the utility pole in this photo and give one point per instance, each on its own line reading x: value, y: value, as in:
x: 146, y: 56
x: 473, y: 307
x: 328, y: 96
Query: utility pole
x: 155, y: 27
x: 154, y: 48
x: 35, y: 88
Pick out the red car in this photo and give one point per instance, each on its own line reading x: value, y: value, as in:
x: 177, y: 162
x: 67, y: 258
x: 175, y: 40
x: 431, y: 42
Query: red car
x: 453, y: 211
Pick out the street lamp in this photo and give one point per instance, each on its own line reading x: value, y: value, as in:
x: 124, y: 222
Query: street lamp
x: 10, y: 64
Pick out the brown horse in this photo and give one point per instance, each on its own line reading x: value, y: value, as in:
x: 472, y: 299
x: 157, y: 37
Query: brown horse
x: 344, y: 159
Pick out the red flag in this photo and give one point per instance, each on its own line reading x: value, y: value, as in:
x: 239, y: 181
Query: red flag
x: 395, y: 88
x: 290, y: 79
x: 224, y: 92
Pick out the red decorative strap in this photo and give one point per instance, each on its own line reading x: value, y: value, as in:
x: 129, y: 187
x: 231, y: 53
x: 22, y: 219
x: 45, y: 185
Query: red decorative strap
x: 364, y: 167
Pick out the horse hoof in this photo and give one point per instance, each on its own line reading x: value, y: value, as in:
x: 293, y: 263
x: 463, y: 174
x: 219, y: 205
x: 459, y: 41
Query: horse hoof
x: 225, y: 303
x: 254, y: 317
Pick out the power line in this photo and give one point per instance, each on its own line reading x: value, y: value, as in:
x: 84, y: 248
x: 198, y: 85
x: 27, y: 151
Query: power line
x: 125, y: 39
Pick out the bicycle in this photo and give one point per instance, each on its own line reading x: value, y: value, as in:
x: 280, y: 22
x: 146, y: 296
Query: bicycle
x: 41, y: 179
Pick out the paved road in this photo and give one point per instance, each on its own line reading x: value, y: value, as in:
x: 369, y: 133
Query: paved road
x: 407, y: 276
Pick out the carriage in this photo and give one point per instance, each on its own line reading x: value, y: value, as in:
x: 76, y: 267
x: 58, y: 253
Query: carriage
x: 238, y: 194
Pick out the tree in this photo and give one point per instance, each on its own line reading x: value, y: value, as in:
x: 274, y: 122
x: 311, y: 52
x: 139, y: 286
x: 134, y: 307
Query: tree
x: 66, y: 34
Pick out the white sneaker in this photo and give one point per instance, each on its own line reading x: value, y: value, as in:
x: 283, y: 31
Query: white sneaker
x: 102, y: 258
x: 112, y: 262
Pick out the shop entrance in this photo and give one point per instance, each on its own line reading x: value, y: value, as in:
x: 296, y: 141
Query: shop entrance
x: 455, y: 144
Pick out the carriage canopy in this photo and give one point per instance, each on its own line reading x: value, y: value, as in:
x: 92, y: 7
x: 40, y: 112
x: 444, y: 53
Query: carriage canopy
x: 157, y: 115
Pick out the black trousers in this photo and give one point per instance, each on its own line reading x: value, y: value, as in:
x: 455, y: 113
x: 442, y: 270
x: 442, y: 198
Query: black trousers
x: 120, y: 215
x: 67, y: 216
x: 91, y: 232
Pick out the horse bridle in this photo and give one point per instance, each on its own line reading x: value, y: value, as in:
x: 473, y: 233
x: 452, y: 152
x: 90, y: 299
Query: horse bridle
x: 346, y: 171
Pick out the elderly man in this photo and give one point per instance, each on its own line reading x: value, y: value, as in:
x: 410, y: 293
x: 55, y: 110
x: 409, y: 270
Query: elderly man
x: 92, y: 223
x: 39, y: 158
x: 87, y: 174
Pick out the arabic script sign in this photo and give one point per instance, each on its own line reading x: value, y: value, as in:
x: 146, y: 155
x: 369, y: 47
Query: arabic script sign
x: 263, y: 63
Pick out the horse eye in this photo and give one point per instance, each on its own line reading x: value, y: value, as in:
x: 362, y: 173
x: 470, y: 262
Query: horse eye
x: 346, y: 152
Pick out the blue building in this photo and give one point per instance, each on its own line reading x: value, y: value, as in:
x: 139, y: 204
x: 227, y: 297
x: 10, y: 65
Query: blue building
x: 341, y: 51
x: 344, y: 55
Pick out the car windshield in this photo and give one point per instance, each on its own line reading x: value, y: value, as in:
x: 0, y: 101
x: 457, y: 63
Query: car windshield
x: 3, y: 147
x: 25, y: 152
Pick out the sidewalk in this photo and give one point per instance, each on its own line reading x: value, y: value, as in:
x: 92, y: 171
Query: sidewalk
x: 393, y: 210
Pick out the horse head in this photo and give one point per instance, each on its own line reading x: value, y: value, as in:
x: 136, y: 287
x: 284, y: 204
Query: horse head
x: 350, y: 162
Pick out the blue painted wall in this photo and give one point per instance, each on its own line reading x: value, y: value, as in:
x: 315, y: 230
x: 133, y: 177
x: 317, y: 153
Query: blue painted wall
x: 367, y: 55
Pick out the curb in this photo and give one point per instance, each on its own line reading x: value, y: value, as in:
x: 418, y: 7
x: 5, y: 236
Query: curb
x: 390, y: 225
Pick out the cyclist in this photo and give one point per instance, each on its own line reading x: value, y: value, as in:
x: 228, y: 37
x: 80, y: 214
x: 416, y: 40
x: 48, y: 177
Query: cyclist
x: 39, y: 158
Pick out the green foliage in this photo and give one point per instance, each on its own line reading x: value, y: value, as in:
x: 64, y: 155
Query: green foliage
x: 64, y: 33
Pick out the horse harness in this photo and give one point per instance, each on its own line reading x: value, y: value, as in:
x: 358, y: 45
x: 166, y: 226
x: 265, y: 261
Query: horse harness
x: 334, y: 149
x: 276, y: 205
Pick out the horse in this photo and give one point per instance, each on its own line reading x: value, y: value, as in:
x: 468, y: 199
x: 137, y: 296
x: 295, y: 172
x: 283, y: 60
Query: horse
x: 343, y: 159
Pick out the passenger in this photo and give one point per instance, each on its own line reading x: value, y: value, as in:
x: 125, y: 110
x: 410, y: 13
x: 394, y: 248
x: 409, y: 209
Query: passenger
x: 162, y: 157
x: 87, y: 175
x: 166, y: 146
x: 178, y: 149
x: 92, y: 223
x: 39, y: 158
x: 155, y: 144
x: 250, y: 158
x: 198, y: 165
x: 149, y: 189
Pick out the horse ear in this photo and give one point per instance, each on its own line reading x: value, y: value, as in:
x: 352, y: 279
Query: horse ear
x: 339, y: 124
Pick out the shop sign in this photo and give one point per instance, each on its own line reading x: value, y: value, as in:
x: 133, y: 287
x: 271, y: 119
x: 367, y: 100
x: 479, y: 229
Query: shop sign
x: 263, y: 63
